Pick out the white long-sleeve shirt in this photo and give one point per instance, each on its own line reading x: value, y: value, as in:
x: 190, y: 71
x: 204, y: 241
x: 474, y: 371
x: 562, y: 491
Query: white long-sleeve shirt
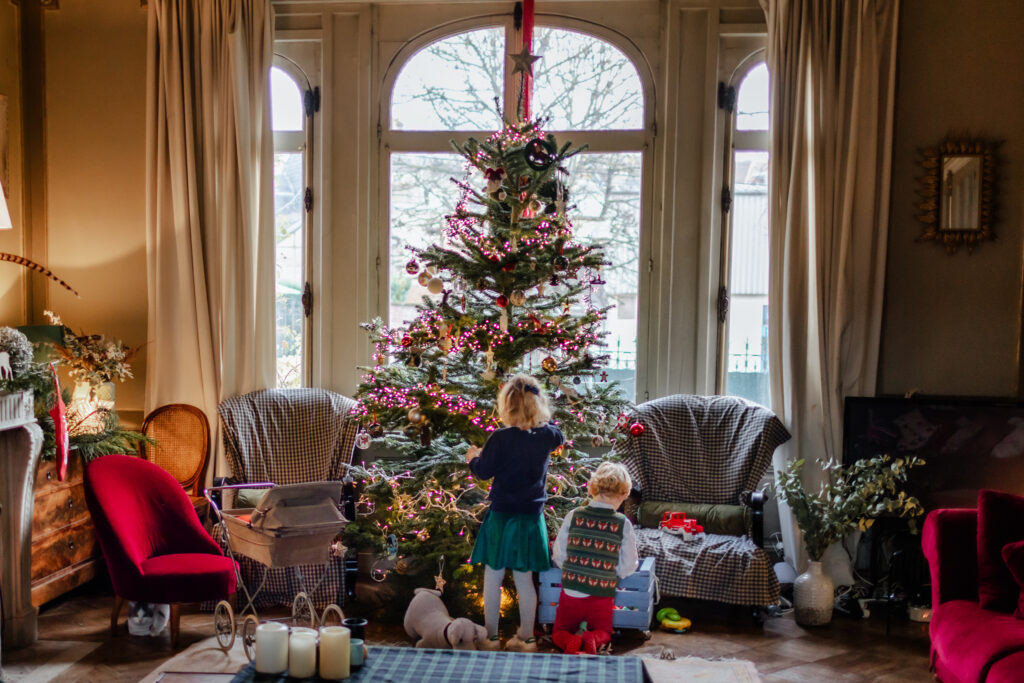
x: 628, y: 557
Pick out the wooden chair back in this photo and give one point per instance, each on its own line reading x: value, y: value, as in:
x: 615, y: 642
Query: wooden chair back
x: 182, y: 433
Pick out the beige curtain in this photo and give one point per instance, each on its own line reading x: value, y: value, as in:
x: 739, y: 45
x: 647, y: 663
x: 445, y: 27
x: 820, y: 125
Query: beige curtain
x: 833, y: 73
x: 209, y: 202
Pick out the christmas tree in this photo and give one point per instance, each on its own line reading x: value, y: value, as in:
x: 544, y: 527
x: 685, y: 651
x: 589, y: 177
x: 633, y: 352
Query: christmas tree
x: 511, y: 292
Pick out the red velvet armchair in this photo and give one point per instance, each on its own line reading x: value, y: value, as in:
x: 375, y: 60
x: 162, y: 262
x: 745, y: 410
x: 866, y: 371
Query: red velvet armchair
x: 970, y: 644
x: 155, y: 547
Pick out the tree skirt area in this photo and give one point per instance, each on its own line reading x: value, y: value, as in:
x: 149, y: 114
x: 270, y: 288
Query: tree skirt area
x: 206, y: 657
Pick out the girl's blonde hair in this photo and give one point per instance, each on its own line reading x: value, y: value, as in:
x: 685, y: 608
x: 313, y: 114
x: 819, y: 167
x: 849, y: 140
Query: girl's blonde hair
x: 522, y: 403
x: 610, y: 478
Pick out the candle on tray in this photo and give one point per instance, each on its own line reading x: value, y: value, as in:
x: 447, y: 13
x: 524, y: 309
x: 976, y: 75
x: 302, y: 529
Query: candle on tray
x: 302, y: 654
x: 271, y: 648
x: 335, y: 652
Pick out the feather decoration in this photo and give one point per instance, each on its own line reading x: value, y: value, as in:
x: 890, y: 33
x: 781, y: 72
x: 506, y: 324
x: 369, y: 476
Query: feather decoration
x: 32, y: 265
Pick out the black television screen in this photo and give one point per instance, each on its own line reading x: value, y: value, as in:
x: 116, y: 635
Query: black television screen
x: 968, y: 443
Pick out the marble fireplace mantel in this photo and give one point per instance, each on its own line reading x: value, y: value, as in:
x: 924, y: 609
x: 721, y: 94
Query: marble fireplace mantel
x: 20, y: 447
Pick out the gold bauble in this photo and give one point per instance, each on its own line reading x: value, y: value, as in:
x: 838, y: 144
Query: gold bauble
x: 415, y: 416
x: 549, y: 364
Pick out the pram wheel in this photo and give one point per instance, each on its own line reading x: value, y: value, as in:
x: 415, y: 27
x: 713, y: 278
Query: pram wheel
x: 224, y: 624
x: 248, y: 634
x: 303, y: 613
x: 332, y: 609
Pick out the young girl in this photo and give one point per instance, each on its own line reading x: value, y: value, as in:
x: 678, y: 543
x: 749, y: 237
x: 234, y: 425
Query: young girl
x: 514, y: 535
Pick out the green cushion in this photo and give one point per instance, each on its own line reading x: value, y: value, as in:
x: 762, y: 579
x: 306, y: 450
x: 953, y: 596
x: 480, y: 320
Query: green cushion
x: 732, y: 520
x: 249, y: 498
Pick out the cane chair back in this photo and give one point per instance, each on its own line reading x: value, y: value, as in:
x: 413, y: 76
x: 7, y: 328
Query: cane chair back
x: 182, y: 447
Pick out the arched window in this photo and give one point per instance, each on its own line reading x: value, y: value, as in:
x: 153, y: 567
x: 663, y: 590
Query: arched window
x: 288, y: 121
x: 743, y: 367
x: 588, y: 90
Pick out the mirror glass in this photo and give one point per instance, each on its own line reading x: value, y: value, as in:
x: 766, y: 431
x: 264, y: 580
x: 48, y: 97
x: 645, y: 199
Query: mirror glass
x: 960, y: 206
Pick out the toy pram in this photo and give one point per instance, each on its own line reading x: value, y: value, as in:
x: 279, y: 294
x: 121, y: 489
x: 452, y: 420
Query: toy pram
x: 293, y: 525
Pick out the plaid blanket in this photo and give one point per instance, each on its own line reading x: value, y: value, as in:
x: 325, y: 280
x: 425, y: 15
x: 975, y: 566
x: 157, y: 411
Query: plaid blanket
x: 704, y: 449
x: 289, y: 436
x: 413, y: 665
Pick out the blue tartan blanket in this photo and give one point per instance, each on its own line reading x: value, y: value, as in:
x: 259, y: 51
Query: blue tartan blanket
x: 416, y: 665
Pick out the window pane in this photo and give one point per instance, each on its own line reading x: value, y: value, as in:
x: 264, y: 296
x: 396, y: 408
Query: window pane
x: 422, y: 194
x: 747, y: 344
x: 285, y: 101
x: 606, y: 191
x: 583, y: 83
x: 288, y: 223
x: 752, y: 100
x: 451, y: 84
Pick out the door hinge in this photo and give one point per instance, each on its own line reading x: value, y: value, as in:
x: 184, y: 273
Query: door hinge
x: 726, y: 97
x: 378, y: 263
x: 311, y: 100
x: 650, y: 265
x: 723, y: 304
x: 380, y: 131
x: 726, y: 199
x: 307, y: 300
x: 307, y: 200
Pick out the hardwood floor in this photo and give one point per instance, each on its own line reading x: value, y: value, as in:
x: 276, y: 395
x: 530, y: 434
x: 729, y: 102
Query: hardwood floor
x: 846, y: 650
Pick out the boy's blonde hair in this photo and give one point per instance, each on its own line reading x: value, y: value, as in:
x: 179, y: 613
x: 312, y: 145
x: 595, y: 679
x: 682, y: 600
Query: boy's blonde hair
x: 610, y: 478
x: 522, y: 403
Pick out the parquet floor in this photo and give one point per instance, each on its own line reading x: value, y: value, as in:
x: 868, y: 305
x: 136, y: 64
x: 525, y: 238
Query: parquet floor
x: 846, y: 650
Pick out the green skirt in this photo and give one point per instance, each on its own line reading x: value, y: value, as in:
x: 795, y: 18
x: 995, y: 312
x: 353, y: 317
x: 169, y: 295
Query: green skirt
x: 516, y: 542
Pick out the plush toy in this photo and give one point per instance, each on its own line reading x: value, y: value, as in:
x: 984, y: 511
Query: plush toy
x: 428, y: 620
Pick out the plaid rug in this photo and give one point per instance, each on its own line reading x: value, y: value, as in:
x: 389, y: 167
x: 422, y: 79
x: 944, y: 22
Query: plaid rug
x: 416, y: 665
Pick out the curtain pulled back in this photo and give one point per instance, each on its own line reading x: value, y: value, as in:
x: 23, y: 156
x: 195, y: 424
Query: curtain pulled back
x: 209, y: 202
x: 833, y: 74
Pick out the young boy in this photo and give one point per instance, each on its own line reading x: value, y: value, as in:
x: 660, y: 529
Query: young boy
x: 594, y: 548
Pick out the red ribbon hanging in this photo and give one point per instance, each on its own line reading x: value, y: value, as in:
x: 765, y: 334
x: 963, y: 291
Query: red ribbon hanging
x: 527, y: 81
x: 60, y: 429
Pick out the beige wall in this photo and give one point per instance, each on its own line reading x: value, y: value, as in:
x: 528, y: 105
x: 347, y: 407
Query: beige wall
x: 952, y: 323
x: 12, y: 277
x: 96, y: 156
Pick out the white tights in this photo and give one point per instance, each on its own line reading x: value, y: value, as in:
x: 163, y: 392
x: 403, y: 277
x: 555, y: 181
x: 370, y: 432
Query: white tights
x: 492, y: 600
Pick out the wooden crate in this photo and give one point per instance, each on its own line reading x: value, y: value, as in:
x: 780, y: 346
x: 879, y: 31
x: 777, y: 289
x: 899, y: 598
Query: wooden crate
x: 634, y: 599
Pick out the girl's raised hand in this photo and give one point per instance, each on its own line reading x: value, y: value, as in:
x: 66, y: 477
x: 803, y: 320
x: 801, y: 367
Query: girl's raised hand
x: 473, y: 452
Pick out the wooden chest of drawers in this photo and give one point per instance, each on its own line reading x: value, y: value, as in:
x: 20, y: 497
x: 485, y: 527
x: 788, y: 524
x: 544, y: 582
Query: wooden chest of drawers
x: 64, y: 548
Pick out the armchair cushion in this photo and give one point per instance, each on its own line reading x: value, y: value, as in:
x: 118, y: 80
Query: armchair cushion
x: 1000, y: 521
x: 1013, y: 556
x: 189, y: 577
x: 729, y: 520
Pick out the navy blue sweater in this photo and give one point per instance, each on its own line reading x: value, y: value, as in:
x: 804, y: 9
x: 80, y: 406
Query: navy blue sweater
x: 518, y: 461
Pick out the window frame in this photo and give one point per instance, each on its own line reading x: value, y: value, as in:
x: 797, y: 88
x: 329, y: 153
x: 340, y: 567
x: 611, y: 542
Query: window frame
x: 638, y: 140
x: 733, y: 140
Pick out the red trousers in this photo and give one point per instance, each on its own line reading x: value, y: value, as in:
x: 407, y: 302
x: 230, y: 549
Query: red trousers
x: 571, y: 612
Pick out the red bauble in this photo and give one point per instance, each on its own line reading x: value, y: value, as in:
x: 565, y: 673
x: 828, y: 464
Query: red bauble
x: 509, y: 267
x: 406, y: 340
x: 502, y: 300
x: 636, y: 429
x: 494, y: 258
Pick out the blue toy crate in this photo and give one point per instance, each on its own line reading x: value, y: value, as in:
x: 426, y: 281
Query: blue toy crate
x: 634, y: 599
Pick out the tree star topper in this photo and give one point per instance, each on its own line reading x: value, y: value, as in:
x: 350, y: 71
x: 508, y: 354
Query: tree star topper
x: 523, y: 60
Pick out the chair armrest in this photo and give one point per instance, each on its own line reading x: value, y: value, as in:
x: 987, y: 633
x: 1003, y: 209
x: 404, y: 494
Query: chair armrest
x: 950, y: 543
x: 755, y: 500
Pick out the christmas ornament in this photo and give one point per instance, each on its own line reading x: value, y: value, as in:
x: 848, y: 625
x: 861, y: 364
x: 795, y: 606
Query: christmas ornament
x: 445, y: 344
x: 561, y: 262
x: 576, y: 380
x: 501, y: 196
x: 423, y: 279
x: 60, y: 429
x: 376, y: 430
x: 549, y: 364
x: 380, y: 359
x: 415, y: 415
x: 494, y: 258
x: 636, y: 429
x: 517, y: 298
x: 435, y: 285
x: 622, y: 422
x: 534, y: 205
x: 363, y: 440
x: 503, y: 320
x: 406, y: 341
x: 412, y: 267
x: 523, y: 61
x: 533, y: 264
x: 509, y: 266
x: 597, y: 441
x: 493, y: 176
x: 502, y: 300
x: 414, y: 360
x: 411, y: 431
x: 604, y: 376
x: 539, y: 153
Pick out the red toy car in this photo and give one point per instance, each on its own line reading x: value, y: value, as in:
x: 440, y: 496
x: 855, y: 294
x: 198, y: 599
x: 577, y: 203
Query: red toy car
x: 678, y: 523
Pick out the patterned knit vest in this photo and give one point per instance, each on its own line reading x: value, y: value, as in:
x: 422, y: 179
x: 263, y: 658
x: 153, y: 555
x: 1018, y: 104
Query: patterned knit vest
x: 592, y: 551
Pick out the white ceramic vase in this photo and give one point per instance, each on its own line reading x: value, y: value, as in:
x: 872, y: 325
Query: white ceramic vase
x: 812, y: 597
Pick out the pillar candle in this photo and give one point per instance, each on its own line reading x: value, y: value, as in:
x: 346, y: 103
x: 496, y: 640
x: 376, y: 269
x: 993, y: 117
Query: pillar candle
x: 302, y: 655
x: 335, y: 652
x: 271, y: 648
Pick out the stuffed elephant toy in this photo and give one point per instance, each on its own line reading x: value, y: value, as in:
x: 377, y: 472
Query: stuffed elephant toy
x: 428, y: 620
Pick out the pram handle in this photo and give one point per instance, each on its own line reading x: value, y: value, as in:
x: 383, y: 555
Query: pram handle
x: 213, y: 505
